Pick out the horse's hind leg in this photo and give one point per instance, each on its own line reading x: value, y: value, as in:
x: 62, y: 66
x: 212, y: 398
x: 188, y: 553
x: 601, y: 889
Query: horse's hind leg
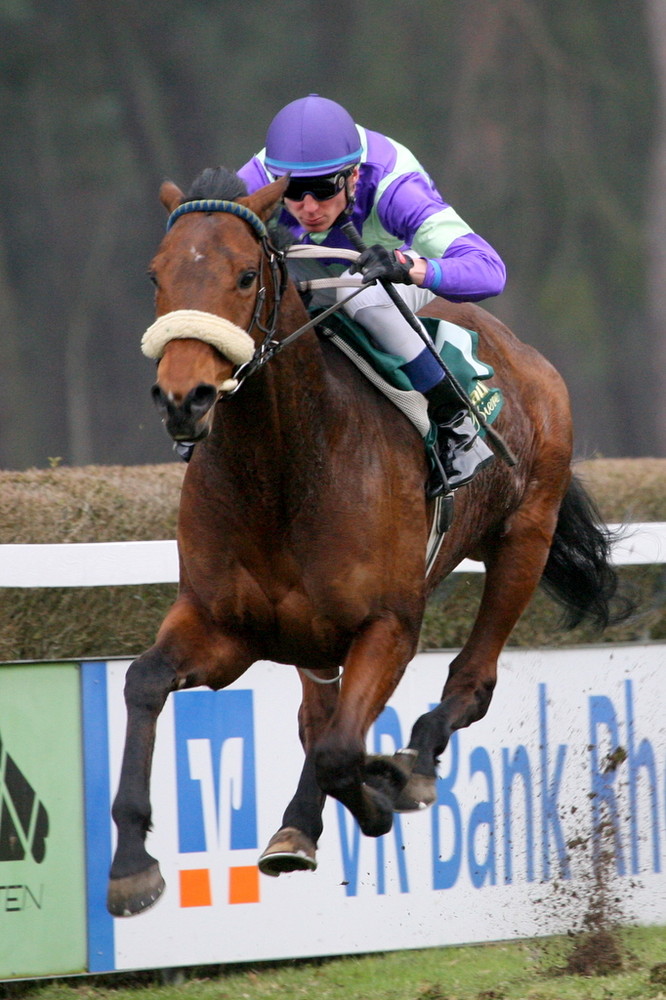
x: 294, y: 846
x: 513, y: 570
x: 333, y: 731
x: 372, y: 670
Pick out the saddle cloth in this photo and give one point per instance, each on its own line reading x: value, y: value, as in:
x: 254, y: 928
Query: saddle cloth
x: 456, y: 346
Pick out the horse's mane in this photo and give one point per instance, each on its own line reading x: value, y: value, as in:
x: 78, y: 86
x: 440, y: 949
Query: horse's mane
x: 216, y: 182
x: 225, y: 185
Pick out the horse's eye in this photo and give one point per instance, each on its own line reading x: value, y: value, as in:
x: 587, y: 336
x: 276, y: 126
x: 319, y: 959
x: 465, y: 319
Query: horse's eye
x: 153, y: 277
x: 247, y: 278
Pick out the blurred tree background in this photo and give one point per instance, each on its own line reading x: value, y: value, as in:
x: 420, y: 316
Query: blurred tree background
x: 543, y: 123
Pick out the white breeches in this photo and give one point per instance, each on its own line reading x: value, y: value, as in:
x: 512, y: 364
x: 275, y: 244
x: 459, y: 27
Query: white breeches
x: 375, y: 311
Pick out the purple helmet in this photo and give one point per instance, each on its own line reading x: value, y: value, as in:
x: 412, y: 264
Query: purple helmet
x: 312, y: 137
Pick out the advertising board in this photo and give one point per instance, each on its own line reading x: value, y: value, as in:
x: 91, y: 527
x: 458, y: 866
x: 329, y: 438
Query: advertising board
x: 42, y: 887
x: 555, y: 799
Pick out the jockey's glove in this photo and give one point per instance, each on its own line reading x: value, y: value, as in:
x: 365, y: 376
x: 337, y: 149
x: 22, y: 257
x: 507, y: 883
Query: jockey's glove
x: 379, y: 264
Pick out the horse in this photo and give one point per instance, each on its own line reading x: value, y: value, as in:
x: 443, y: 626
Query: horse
x: 303, y: 523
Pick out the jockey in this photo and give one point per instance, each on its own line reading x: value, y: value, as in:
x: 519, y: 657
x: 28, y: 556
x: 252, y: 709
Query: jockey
x: 339, y: 170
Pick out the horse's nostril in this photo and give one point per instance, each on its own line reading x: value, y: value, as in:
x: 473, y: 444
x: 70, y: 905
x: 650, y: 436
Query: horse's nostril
x: 159, y: 397
x: 184, y: 420
x: 200, y: 399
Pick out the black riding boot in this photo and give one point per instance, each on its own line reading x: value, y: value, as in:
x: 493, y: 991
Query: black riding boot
x: 462, y: 452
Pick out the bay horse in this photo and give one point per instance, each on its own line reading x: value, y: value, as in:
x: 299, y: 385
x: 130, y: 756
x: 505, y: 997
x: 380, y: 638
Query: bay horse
x: 303, y: 524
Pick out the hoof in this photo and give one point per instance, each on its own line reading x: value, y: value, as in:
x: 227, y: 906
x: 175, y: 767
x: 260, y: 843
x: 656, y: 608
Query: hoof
x: 134, y: 893
x: 288, y: 850
x: 390, y: 774
x: 419, y: 793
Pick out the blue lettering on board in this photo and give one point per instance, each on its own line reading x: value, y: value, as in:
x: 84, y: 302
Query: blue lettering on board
x: 640, y: 757
x: 605, y: 812
x: 606, y: 774
x: 482, y: 815
x: 512, y: 766
x: 550, y: 815
x: 350, y: 848
x: 445, y: 871
x: 465, y: 827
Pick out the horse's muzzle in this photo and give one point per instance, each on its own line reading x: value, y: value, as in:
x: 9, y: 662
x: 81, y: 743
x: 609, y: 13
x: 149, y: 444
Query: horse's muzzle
x: 190, y: 419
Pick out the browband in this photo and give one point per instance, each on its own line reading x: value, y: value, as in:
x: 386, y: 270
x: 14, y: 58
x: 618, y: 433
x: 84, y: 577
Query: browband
x: 217, y: 205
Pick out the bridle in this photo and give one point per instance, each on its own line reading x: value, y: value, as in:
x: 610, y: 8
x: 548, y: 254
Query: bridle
x: 278, y: 277
x: 277, y: 265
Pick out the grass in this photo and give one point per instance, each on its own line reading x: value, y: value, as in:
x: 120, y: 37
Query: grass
x: 526, y: 970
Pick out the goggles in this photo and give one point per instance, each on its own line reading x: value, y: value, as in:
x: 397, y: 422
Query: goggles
x: 321, y: 188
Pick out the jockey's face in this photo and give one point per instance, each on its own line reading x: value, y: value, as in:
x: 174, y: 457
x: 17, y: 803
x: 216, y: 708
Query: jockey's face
x: 318, y: 216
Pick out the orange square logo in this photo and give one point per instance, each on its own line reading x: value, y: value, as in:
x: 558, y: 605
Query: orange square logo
x: 195, y: 887
x: 244, y: 884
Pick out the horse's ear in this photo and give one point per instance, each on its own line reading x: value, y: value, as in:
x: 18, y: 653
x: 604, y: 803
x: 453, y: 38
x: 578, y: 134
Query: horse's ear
x: 264, y: 201
x: 170, y: 195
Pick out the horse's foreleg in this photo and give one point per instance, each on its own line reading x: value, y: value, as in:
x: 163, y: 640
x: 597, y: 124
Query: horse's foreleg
x: 513, y: 571
x: 294, y: 846
x: 189, y: 651
x: 373, y: 667
x: 136, y: 882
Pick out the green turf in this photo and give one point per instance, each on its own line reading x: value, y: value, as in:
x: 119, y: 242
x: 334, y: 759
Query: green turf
x: 528, y: 970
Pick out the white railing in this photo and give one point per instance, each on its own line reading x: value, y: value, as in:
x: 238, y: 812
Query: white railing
x: 101, y: 564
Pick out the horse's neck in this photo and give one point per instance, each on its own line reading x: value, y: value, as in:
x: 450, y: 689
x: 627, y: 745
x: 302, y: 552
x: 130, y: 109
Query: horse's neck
x: 298, y: 381
x: 278, y: 420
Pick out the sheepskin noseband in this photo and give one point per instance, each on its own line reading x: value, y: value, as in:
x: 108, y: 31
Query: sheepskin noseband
x: 230, y: 340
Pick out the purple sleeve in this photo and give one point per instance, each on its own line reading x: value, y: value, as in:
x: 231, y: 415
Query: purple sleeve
x: 469, y: 270
x: 461, y: 266
x: 406, y: 204
x: 254, y: 174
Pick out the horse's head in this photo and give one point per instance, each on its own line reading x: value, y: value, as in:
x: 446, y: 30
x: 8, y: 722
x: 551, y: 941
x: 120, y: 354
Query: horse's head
x: 213, y: 280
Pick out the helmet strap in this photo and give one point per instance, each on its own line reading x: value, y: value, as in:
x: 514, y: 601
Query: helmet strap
x: 350, y: 189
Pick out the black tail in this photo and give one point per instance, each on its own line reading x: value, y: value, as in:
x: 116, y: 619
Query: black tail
x: 579, y: 574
